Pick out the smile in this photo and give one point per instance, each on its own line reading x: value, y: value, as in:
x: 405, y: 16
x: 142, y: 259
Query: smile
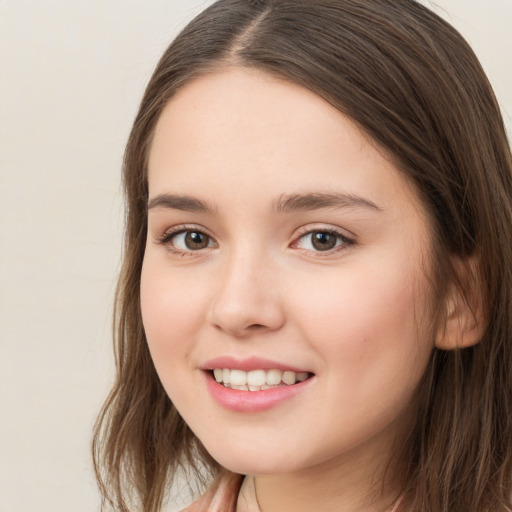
x: 254, y: 384
x: 257, y: 380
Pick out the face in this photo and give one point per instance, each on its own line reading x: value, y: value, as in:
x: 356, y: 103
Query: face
x: 286, y: 258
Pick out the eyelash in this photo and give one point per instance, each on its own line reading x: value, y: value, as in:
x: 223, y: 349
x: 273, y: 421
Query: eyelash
x: 342, y: 240
x: 167, y: 238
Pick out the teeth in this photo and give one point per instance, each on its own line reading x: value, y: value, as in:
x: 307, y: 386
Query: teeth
x: 289, y: 378
x: 274, y: 377
x: 257, y: 380
x: 237, y: 377
x: 255, y: 377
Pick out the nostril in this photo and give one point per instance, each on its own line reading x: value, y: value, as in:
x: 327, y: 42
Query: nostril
x: 242, y: 315
x: 242, y: 332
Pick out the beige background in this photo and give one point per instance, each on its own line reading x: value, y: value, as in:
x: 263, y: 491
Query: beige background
x: 71, y: 76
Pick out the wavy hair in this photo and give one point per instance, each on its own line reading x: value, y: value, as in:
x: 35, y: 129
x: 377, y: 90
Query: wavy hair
x: 415, y: 87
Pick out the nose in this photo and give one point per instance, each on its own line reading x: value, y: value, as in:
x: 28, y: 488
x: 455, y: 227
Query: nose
x: 247, y: 299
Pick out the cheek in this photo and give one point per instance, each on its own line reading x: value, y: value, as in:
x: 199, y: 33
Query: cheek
x: 367, y: 319
x: 373, y: 350
x: 171, y: 313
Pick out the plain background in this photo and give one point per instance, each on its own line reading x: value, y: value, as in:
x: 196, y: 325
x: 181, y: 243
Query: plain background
x: 71, y: 75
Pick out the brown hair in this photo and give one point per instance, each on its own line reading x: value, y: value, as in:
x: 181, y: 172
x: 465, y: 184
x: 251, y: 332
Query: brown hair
x: 415, y: 87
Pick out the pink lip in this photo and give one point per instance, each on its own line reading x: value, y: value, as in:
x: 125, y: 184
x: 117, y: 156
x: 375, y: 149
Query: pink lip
x: 252, y: 401
x: 248, y: 364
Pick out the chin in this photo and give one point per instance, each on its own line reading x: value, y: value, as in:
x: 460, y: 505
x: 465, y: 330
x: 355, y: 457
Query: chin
x: 254, y: 467
x: 253, y: 461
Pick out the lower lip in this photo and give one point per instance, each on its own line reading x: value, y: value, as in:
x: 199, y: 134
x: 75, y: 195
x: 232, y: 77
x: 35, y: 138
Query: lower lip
x: 253, y: 401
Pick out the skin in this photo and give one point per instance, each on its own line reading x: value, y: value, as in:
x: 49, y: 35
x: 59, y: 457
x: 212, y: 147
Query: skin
x: 356, y: 316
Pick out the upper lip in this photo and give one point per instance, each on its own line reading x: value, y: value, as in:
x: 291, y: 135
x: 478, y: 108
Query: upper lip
x: 250, y: 363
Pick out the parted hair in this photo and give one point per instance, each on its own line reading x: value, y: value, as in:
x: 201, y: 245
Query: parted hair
x: 414, y: 87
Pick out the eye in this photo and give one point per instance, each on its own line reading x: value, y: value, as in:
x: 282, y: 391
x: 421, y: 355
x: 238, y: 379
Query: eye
x: 322, y: 241
x: 191, y: 240
x: 187, y: 240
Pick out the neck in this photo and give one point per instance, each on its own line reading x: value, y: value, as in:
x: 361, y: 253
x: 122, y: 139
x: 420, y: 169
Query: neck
x: 353, y: 483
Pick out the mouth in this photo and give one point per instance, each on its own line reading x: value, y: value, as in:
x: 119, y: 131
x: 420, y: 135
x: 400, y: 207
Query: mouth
x: 257, y: 380
x: 255, y: 384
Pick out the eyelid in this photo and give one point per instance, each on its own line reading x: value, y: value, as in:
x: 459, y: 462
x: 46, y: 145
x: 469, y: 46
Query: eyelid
x: 330, y: 228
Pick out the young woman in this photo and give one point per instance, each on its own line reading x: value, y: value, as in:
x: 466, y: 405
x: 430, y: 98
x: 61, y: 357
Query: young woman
x: 315, y: 309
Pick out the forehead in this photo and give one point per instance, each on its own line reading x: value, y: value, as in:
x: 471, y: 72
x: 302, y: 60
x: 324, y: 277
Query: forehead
x: 246, y: 131
x: 250, y: 110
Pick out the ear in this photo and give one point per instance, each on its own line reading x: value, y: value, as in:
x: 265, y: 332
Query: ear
x: 464, y: 318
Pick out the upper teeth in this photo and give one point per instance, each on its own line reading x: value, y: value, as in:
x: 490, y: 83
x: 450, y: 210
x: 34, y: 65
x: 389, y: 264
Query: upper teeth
x: 257, y: 379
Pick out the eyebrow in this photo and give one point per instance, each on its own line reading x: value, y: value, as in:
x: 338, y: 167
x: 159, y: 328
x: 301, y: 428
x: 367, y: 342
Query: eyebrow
x: 285, y: 203
x: 176, y: 202
x: 315, y: 201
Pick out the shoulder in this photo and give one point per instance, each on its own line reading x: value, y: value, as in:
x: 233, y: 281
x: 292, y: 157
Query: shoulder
x: 221, y: 496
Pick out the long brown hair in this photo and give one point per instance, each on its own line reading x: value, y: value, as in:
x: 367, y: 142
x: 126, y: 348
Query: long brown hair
x: 415, y: 87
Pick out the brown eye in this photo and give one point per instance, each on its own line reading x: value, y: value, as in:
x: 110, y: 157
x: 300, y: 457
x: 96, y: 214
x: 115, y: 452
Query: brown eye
x: 323, y: 240
x: 194, y: 240
x: 187, y: 241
